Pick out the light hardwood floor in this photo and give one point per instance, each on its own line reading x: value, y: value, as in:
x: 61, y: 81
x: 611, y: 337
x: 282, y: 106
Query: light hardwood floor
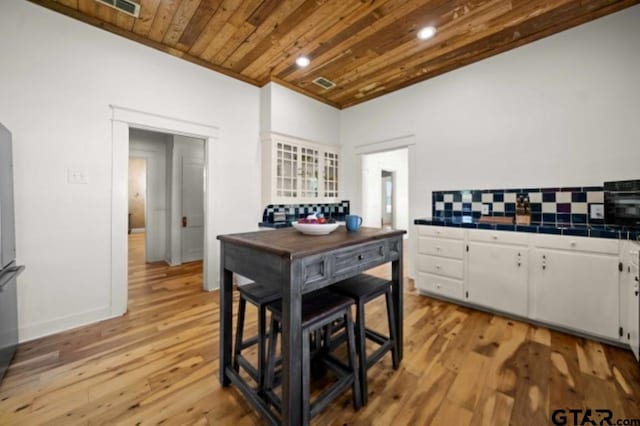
x: 159, y: 364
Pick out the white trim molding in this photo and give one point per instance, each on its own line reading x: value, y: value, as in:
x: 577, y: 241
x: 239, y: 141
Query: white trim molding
x: 404, y: 141
x: 122, y: 119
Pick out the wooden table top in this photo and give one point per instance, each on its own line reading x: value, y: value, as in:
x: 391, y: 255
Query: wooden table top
x: 291, y: 243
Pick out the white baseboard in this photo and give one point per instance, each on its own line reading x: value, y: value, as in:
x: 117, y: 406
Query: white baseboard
x: 137, y: 230
x: 45, y: 328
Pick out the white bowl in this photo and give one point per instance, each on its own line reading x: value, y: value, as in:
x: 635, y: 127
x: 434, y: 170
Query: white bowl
x: 315, y: 228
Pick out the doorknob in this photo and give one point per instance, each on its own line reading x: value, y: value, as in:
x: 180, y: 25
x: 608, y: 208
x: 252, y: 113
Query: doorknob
x: 184, y: 221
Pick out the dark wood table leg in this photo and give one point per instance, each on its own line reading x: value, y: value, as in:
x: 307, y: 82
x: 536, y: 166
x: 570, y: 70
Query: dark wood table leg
x: 292, y: 346
x: 397, y: 277
x: 226, y: 309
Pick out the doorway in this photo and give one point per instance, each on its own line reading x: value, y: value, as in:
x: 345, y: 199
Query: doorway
x: 125, y: 120
x: 166, y: 195
x: 385, y: 189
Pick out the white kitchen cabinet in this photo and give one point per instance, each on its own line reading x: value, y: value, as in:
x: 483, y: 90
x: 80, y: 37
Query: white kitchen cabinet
x: 574, y: 288
x: 497, y: 270
x: 297, y: 171
x: 440, y: 261
x: 630, y: 297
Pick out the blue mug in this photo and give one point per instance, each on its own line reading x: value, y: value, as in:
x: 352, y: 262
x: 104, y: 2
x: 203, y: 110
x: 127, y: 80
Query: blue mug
x: 353, y: 222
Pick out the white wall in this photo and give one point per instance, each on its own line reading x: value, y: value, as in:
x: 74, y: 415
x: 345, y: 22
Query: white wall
x: 293, y: 114
x: 396, y: 161
x: 57, y: 80
x: 562, y: 111
x: 152, y: 146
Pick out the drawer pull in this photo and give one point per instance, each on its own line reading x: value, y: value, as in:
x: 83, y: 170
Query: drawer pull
x: 438, y: 248
x: 437, y: 266
x: 360, y: 256
x: 573, y: 243
x: 495, y: 237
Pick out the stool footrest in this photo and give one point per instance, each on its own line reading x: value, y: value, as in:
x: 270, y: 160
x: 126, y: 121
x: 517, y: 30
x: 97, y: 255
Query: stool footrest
x: 378, y: 353
x: 250, y: 369
x: 376, y: 337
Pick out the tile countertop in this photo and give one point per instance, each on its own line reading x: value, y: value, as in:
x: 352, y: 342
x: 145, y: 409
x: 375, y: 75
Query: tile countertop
x: 594, y: 231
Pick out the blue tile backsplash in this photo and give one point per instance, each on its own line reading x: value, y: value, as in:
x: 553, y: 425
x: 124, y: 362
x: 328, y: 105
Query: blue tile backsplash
x: 565, y: 205
x: 296, y: 211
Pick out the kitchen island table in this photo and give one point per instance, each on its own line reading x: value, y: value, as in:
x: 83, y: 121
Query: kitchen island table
x: 296, y: 264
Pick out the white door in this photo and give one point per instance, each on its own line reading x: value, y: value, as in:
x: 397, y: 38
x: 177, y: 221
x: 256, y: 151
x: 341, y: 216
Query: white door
x: 386, y: 200
x: 192, y: 209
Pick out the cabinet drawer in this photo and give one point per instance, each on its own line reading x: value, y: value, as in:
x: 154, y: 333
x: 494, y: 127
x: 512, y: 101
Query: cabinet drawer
x: 360, y: 258
x: 440, y: 285
x: 441, y: 231
x: 441, y: 247
x: 501, y: 237
x: 440, y: 266
x: 593, y: 245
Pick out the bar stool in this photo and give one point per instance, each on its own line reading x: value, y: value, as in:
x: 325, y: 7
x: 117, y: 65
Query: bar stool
x: 362, y: 289
x: 260, y: 296
x: 319, y: 309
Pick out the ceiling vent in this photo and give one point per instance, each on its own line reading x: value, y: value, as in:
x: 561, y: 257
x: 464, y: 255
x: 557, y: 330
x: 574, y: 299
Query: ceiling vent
x: 124, y: 6
x: 324, y: 83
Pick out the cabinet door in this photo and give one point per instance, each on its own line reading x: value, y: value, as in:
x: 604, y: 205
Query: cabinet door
x: 286, y: 176
x: 330, y: 175
x: 497, y: 277
x: 308, y: 171
x: 633, y: 308
x: 577, y: 290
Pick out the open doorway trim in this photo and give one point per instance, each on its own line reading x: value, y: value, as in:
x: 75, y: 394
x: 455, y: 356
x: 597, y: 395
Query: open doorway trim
x: 400, y: 142
x: 121, y: 120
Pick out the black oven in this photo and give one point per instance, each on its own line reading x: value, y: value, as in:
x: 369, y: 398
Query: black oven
x: 622, y: 203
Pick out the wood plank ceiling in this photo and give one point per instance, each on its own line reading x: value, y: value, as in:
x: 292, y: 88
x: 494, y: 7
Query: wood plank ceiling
x: 366, y: 47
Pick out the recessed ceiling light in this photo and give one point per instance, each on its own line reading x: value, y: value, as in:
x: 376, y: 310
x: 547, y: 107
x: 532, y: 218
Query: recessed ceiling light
x: 303, y: 61
x: 426, y: 33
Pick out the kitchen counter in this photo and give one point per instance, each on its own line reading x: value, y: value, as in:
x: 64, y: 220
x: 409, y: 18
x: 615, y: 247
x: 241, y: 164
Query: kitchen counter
x: 579, y: 230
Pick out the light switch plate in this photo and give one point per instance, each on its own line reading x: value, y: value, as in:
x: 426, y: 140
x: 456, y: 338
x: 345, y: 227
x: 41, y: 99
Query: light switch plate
x: 596, y: 211
x: 485, y: 209
x: 77, y: 177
